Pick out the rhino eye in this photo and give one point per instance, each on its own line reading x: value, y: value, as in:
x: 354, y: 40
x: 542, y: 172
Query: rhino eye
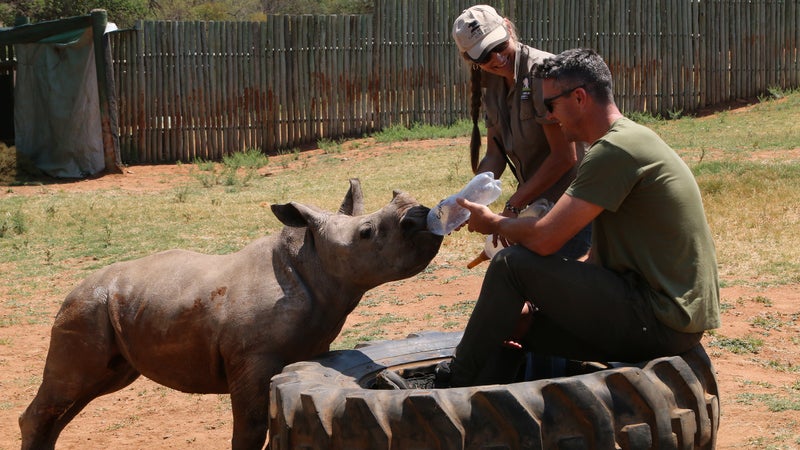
x: 365, y: 232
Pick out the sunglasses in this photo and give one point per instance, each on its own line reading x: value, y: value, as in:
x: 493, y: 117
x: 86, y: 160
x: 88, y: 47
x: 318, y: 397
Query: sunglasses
x: 548, y: 102
x: 484, y: 58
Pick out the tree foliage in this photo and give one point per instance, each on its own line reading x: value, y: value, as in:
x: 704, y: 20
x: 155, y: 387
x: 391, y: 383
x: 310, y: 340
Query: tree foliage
x: 317, y: 6
x: 122, y: 12
x: 126, y: 12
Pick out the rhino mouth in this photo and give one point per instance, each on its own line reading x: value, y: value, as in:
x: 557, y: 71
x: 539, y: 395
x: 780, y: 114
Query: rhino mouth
x: 414, y: 220
x: 415, y: 227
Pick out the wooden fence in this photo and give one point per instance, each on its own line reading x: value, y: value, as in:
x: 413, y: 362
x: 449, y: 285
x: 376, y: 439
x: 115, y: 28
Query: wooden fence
x: 190, y: 90
x: 7, y: 68
x: 203, y: 89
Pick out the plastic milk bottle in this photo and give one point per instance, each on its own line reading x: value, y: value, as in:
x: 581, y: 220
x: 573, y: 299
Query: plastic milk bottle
x: 447, y: 215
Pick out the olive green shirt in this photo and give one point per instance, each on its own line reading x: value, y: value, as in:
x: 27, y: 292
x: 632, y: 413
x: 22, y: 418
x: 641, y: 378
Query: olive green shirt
x: 653, y: 223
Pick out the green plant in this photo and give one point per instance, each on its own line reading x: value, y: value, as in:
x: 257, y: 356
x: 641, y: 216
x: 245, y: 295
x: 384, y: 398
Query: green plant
x: 780, y: 366
x: 230, y: 177
x: 182, y: 193
x: 204, y: 165
x: 738, y: 346
x: 773, y: 402
x: 207, y: 178
x: 767, y: 322
x: 762, y: 300
x: 360, y: 332
x: 329, y: 146
x: 675, y: 114
x: 461, y: 309
x: 775, y: 92
x: 13, y: 223
x: 643, y: 118
x: 108, y: 234
x: 249, y: 159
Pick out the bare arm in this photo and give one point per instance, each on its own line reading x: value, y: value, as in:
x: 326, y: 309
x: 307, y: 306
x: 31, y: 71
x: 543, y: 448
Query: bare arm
x: 493, y: 161
x: 543, y: 236
x: 561, y: 159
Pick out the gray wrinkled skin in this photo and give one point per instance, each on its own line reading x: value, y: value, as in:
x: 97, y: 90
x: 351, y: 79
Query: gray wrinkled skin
x: 225, y: 323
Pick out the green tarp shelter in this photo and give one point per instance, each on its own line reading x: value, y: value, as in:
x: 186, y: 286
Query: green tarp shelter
x: 64, y: 108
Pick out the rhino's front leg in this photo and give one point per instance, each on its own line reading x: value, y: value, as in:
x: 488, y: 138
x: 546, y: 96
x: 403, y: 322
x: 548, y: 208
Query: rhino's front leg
x: 248, y: 380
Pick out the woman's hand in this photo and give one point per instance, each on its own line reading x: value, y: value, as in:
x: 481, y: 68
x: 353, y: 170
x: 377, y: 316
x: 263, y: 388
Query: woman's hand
x: 523, y: 324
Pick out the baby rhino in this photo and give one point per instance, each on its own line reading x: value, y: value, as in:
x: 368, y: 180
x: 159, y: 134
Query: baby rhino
x: 225, y: 323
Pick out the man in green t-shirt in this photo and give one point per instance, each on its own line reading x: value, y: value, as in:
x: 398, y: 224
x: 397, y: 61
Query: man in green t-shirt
x: 649, y: 287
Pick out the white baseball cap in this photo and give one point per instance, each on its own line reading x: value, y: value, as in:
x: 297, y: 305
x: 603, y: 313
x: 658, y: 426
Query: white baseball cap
x: 478, y: 30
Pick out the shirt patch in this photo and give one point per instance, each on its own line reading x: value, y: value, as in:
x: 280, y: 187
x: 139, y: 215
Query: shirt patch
x: 526, y: 89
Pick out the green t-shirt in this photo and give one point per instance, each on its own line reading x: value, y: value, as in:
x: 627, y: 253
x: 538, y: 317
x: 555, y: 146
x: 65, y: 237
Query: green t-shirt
x: 653, y: 223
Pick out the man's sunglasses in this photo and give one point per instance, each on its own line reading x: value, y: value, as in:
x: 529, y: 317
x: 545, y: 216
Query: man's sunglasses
x: 484, y: 58
x: 548, y: 102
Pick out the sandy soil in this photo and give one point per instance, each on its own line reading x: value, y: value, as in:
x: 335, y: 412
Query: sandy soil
x: 146, y: 415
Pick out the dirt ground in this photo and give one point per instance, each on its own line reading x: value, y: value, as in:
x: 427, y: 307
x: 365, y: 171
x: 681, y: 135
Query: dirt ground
x: 146, y: 415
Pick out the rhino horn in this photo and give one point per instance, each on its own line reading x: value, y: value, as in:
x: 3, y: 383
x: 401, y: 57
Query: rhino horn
x: 353, y: 203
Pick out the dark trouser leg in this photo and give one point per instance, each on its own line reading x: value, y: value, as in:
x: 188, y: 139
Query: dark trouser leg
x: 503, y: 366
x: 495, y: 315
x: 578, y: 245
x: 585, y: 312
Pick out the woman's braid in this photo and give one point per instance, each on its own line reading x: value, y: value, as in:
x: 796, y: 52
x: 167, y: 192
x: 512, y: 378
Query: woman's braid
x: 475, y: 107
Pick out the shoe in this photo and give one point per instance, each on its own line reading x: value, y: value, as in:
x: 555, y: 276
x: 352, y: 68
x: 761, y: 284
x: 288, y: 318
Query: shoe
x: 442, y: 375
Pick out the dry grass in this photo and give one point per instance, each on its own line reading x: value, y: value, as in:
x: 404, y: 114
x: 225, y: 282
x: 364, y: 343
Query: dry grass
x: 53, y: 236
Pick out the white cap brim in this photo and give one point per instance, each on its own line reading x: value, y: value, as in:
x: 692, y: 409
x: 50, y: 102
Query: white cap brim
x: 496, y: 36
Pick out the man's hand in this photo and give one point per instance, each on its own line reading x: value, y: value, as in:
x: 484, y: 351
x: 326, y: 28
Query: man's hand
x: 481, y: 219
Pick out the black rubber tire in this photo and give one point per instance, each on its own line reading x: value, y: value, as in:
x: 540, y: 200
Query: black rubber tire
x: 669, y: 402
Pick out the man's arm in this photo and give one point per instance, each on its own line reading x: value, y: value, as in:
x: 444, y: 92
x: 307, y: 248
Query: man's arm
x: 543, y: 236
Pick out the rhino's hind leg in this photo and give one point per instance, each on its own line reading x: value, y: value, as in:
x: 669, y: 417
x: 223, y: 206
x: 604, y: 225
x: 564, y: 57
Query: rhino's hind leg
x: 82, y: 364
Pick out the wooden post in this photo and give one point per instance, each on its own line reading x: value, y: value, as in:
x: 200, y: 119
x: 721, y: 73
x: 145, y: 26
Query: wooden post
x: 111, y: 151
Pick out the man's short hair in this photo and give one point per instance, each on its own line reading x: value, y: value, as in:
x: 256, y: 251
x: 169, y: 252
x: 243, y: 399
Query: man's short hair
x: 579, y: 66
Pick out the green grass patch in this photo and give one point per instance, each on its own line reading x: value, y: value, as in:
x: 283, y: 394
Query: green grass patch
x: 771, y: 127
x: 248, y: 159
x: 237, y: 170
x: 752, y: 209
x: 769, y: 321
x: 461, y: 309
x: 417, y: 131
x: 780, y: 366
x: 739, y: 346
x: 749, y: 192
x: 329, y: 146
x: 773, y: 402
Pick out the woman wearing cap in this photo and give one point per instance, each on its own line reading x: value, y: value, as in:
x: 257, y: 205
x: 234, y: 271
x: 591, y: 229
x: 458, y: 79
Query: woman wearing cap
x: 518, y: 133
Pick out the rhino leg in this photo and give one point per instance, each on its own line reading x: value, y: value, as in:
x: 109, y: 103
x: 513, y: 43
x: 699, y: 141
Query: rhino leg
x: 249, y: 380
x: 83, y: 363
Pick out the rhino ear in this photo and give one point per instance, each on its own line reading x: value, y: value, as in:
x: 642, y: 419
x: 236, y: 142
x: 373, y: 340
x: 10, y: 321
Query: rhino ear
x: 294, y: 214
x: 353, y: 203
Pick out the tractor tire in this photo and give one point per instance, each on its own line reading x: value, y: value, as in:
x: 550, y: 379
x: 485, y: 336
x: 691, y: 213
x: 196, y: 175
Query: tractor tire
x: 331, y: 402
